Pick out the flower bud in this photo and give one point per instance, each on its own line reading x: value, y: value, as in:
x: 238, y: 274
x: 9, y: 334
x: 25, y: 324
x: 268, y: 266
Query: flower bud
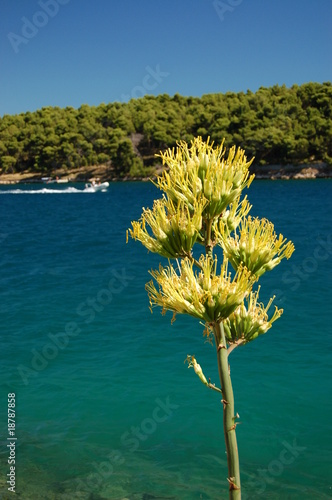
x: 198, y: 185
x: 192, y: 363
x: 204, y: 161
x: 208, y: 188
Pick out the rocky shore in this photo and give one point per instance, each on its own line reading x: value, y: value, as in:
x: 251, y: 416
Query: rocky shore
x: 104, y: 173
x: 302, y: 171
x: 82, y: 174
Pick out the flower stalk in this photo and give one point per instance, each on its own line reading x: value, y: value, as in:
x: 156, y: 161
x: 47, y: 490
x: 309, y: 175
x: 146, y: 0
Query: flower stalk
x: 201, y: 205
x: 229, y: 416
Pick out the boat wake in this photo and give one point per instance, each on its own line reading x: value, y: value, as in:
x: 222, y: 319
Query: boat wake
x: 68, y: 190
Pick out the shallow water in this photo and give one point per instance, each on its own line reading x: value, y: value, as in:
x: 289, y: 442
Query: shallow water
x: 106, y: 407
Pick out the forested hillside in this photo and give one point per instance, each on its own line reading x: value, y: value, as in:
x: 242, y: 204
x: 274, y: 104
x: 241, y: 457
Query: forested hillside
x: 276, y: 125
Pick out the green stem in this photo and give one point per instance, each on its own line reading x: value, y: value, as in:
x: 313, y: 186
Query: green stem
x: 195, y: 261
x: 212, y: 386
x: 229, y: 414
x: 207, y: 238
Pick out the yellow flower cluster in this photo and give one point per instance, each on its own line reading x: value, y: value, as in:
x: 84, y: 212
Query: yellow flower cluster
x: 203, y: 170
x: 174, y: 228
x: 202, y: 203
x: 247, y: 323
x: 231, y: 218
x: 257, y: 246
x: 205, y: 295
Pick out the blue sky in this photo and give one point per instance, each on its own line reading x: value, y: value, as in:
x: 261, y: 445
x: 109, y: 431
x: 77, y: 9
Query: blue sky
x: 72, y: 52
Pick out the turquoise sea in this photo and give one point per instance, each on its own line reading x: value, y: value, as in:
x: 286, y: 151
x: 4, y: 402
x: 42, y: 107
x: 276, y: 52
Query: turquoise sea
x: 105, y: 406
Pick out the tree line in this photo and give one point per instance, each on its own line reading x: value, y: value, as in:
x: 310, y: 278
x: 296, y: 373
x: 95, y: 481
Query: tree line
x: 277, y: 125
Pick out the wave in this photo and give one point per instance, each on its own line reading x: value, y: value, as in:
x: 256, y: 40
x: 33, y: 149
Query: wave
x: 68, y: 190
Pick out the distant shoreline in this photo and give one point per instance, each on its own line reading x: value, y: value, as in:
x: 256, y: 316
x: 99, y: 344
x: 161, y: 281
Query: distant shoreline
x: 83, y: 174
x: 318, y: 170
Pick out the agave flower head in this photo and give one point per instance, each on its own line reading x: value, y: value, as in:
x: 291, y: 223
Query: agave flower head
x: 203, y: 169
x: 173, y: 229
x: 248, y: 322
x: 257, y: 246
x: 205, y: 294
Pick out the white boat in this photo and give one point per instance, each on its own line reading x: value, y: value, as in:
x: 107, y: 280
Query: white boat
x: 93, y: 187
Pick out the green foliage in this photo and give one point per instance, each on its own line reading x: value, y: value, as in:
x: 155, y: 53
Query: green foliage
x: 275, y: 125
x: 7, y: 163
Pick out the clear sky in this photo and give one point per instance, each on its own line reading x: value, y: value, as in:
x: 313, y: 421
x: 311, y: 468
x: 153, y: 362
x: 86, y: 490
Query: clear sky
x: 72, y: 52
